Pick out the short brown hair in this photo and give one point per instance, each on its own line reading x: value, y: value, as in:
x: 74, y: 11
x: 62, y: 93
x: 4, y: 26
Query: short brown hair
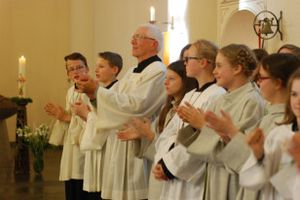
x: 113, y: 59
x: 260, y: 54
x: 76, y: 56
x: 293, y: 48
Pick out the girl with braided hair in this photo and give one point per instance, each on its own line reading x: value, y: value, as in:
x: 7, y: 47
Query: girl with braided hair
x: 214, y: 146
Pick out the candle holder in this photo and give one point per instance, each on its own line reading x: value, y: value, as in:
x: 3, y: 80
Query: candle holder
x: 22, y: 154
x: 21, y: 86
x: 171, y: 23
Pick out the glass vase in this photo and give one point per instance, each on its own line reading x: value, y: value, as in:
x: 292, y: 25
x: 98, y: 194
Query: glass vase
x: 38, y: 162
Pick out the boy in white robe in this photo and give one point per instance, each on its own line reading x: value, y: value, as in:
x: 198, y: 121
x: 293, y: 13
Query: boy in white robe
x: 67, y: 132
x: 140, y: 93
x: 108, y: 66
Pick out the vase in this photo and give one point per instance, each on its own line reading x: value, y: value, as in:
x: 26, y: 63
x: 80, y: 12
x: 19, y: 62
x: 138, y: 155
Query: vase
x: 38, y: 162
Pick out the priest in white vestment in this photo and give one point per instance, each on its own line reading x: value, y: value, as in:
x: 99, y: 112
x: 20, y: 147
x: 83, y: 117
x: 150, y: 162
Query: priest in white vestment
x: 140, y: 93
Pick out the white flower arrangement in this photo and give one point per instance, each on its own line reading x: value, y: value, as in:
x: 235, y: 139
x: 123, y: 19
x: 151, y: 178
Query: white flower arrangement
x: 36, y: 139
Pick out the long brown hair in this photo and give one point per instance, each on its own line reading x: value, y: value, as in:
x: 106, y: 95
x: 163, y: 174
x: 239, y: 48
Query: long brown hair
x: 289, y: 116
x: 187, y: 85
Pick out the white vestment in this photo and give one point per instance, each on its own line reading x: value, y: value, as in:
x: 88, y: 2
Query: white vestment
x: 69, y: 135
x: 224, y: 161
x: 274, y: 114
x: 188, y: 171
x: 135, y: 95
x: 264, y: 176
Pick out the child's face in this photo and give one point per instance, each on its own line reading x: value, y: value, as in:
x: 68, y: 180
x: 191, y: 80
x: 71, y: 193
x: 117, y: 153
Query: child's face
x: 295, y: 98
x: 224, y: 72
x: 173, y: 84
x: 267, y: 84
x: 104, y: 72
x: 75, y: 68
x: 193, y: 66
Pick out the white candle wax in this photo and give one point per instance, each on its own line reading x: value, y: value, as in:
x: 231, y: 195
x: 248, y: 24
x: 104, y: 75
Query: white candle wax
x: 152, y: 14
x: 22, y: 76
x: 22, y: 64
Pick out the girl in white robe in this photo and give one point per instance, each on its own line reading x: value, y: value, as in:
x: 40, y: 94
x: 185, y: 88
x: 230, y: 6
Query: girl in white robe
x: 67, y: 131
x: 234, y: 66
x: 176, y: 84
x: 273, y: 76
x: 294, y: 150
x: 171, y: 155
x: 276, y: 173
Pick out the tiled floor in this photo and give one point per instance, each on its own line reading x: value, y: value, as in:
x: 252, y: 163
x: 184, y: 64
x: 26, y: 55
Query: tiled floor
x: 46, y: 187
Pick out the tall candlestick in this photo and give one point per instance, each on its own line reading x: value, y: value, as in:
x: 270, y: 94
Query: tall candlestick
x: 22, y: 76
x: 152, y: 14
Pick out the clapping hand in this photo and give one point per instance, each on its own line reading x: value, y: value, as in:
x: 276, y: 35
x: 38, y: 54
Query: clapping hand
x: 81, y: 109
x: 193, y: 116
x: 223, y: 125
x: 136, y: 129
x: 86, y: 84
x: 294, y: 148
x: 256, y: 141
x: 129, y: 133
x: 56, y: 111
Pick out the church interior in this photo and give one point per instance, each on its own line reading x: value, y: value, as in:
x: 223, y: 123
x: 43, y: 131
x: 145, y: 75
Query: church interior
x: 43, y: 32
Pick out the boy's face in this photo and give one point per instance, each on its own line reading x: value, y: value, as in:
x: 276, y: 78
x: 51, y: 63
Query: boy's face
x: 104, y: 72
x: 75, y: 68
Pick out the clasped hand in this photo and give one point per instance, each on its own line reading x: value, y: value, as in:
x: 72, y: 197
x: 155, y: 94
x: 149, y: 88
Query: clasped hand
x: 81, y: 109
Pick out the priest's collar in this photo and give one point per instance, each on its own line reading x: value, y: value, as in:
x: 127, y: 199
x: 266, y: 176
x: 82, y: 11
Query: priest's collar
x: 142, y: 65
x: 111, y: 84
x: 295, y: 126
x: 205, y: 86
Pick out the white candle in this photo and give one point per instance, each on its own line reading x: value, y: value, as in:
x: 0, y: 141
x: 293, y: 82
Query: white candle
x: 22, y: 76
x: 152, y: 14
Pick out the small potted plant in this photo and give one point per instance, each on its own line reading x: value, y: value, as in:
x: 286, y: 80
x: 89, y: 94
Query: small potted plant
x: 37, y: 141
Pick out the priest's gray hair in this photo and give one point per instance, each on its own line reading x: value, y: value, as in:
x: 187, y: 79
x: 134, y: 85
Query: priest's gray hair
x: 155, y: 33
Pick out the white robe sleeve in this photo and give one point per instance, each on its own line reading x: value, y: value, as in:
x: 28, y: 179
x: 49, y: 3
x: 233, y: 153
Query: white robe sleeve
x: 60, y: 128
x: 134, y: 96
x: 296, y: 190
x: 284, y: 181
x: 252, y: 174
x: 183, y: 165
x: 89, y: 140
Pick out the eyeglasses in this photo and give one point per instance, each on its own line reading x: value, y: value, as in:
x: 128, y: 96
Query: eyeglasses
x: 262, y: 78
x: 186, y: 59
x: 76, y: 68
x: 140, y: 37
